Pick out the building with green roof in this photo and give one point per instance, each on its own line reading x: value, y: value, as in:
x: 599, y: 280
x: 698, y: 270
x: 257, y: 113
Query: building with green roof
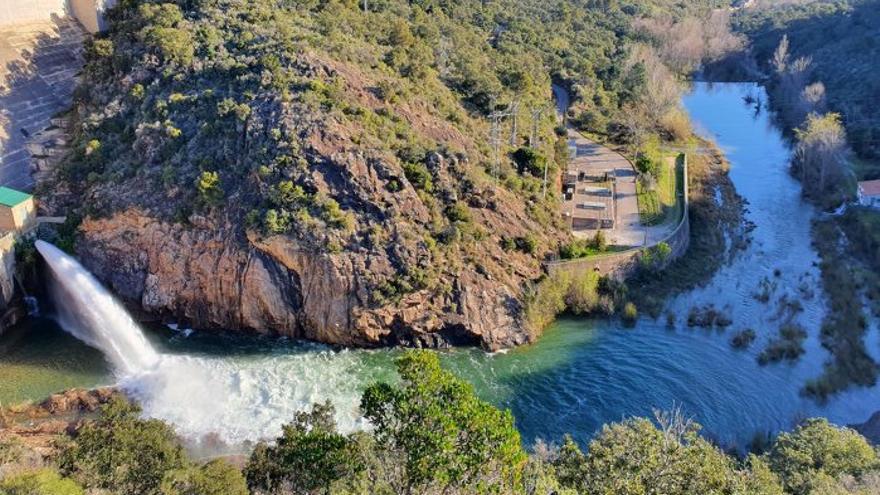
x: 18, y: 210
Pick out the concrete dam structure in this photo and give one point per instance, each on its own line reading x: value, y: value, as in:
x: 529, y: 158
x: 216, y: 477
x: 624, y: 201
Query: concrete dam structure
x: 89, y: 13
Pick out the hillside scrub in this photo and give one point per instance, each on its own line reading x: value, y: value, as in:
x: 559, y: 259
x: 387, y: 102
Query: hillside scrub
x: 579, y: 293
x: 363, y: 150
x: 839, y: 38
x: 433, y: 435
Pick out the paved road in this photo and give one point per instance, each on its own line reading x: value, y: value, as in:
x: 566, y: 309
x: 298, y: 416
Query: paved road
x: 38, y: 67
x: 628, y: 230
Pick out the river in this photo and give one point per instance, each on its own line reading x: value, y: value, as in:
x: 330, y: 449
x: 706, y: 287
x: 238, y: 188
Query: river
x: 580, y: 375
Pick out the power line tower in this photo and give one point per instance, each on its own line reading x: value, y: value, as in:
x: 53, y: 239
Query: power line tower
x: 514, y: 111
x: 537, y: 113
x: 534, y: 139
x: 497, y: 118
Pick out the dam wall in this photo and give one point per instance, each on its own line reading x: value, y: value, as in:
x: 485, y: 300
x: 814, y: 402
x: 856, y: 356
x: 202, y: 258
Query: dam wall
x: 89, y: 13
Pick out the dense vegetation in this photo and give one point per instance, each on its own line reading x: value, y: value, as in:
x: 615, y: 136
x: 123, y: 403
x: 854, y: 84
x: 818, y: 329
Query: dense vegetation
x: 840, y: 39
x: 362, y: 133
x: 432, y: 435
x: 209, y: 101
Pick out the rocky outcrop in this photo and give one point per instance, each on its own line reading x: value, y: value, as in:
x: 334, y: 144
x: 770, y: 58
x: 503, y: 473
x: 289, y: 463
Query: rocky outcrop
x: 206, y: 278
x: 34, y: 428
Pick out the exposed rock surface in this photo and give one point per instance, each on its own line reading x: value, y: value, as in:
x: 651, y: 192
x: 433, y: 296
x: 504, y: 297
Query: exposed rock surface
x: 36, y: 426
x: 206, y: 278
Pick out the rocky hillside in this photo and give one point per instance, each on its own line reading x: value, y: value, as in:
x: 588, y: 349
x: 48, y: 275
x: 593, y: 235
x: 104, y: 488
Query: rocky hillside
x: 310, y: 169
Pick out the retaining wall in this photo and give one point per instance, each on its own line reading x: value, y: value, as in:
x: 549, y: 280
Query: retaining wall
x: 89, y: 13
x: 622, y: 263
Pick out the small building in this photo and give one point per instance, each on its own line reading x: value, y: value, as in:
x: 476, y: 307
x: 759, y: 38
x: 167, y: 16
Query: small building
x: 18, y: 210
x: 869, y: 193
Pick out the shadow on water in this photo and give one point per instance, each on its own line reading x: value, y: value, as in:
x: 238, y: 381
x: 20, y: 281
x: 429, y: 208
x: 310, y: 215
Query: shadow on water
x: 38, y: 358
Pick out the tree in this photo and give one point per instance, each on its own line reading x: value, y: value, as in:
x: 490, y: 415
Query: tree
x: 821, y: 155
x: 122, y: 453
x: 445, y: 436
x: 308, y: 457
x: 208, y: 186
x: 635, y: 457
x: 818, y: 449
x: 530, y: 160
x: 781, y: 56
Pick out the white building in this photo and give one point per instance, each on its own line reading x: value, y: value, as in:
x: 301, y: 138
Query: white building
x: 869, y: 193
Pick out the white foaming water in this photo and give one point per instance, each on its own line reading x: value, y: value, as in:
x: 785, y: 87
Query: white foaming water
x: 248, y: 398
x: 91, y: 314
x: 234, y: 399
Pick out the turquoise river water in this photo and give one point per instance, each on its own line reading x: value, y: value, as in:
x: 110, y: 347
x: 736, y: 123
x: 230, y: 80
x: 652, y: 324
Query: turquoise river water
x: 581, y: 374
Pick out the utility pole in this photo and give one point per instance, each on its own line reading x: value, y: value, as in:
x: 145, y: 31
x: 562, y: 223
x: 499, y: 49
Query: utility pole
x: 495, y: 139
x: 514, y: 110
x: 537, y: 113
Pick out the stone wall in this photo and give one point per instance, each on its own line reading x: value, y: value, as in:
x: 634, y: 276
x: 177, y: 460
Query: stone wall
x: 622, y: 263
x: 11, y: 312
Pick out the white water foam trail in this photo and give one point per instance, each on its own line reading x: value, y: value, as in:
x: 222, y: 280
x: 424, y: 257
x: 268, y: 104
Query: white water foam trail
x: 235, y: 399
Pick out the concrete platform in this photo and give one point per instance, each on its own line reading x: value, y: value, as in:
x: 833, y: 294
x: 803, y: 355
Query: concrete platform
x: 39, y: 65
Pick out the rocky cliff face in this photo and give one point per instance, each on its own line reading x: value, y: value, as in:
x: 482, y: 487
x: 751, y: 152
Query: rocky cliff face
x: 206, y: 278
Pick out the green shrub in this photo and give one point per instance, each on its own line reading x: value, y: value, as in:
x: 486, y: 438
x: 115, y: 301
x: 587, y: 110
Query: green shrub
x: 216, y: 477
x: 418, y: 175
x: 458, y: 212
x: 655, y: 258
x: 308, y: 457
x: 444, y: 436
x: 743, y: 339
x: 530, y: 160
x: 276, y: 223
x: 508, y: 243
x: 788, y: 345
x: 527, y: 244
x: 122, y: 453
x: 582, y: 296
x: 41, y: 482
x: 333, y: 214
x: 818, y: 448
x: 581, y: 248
x: 208, y: 187
x: 630, y: 313
x: 100, y: 48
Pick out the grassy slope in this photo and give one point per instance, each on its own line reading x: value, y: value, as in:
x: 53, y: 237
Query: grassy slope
x: 660, y: 204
